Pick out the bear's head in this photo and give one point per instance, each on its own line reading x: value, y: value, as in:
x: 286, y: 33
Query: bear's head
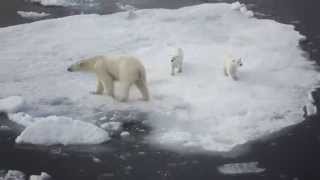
x: 82, y: 65
x: 237, y: 62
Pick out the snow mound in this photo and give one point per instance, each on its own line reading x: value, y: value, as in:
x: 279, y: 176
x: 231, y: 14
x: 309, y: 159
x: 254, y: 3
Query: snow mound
x: 61, y: 130
x: 12, y: 104
x: 240, y: 168
x: 32, y: 14
x: 200, y: 108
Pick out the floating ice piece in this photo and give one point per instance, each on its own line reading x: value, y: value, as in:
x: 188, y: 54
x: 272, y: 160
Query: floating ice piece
x: 249, y: 14
x: 4, y: 128
x: 42, y: 176
x: 236, y: 5
x: 54, y: 2
x: 111, y: 126
x: 125, y: 134
x: 32, y: 14
x: 96, y: 160
x: 12, y: 104
x: 310, y: 96
x: 62, y: 130
x: 240, y: 168
x: 129, y: 8
x: 125, y: 7
x: 243, y: 9
x: 310, y: 109
x: 15, y: 175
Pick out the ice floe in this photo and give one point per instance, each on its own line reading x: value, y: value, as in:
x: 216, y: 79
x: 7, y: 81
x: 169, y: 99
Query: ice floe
x: 32, y: 14
x: 200, y: 108
x: 240, y: 168
x: 61, y: 130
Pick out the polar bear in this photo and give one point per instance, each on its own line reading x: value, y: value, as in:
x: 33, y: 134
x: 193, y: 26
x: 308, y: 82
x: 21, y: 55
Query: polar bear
x: 231, y: 66
x: 127, y: 70
x: 176, y: 61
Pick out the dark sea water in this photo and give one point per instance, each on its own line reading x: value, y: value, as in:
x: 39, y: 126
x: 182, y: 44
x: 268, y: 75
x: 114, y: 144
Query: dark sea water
x: 292, y: 154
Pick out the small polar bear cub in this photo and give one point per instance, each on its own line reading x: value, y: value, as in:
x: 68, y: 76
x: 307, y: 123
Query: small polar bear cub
x: 231, y: 66
x: 176, y: 61
x: 127, y: 70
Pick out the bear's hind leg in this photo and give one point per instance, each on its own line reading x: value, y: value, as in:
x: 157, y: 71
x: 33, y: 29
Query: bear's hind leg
x: 141, y: 85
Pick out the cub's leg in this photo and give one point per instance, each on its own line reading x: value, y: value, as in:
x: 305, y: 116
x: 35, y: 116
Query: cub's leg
x: 225, y: 71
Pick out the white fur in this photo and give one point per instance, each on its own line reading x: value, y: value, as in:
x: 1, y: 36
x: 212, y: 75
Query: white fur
x: 231, y: 66
x: 127, y: 70
x: 177, y: 61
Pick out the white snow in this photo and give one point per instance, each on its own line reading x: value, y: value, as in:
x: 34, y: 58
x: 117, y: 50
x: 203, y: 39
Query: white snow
x: 32, y: 14
x: 200, y: 108
x: 62, y: 130
x: 12, y: 104
x: 240, y: 168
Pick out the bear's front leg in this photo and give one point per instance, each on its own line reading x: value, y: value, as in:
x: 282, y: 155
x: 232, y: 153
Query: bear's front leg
x: 99, y: 88
x: 107, y: 83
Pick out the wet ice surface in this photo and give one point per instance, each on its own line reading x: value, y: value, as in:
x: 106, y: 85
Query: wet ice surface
x: 199, y: 109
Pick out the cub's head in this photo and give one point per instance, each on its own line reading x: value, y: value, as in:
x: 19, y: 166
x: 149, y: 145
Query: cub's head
x: 82, y: 65
x: 237, y: 62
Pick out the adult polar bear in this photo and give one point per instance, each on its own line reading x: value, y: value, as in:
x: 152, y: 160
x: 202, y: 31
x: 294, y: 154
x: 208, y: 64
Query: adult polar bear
x: 127, y: 70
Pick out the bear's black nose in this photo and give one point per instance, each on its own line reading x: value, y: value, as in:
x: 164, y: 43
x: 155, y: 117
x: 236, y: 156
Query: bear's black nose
x: 69, y: 69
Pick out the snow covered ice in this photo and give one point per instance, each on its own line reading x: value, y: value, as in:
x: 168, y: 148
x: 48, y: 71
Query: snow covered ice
x: 32, y: 14
x: 240, y: 168
x: 200, y: 108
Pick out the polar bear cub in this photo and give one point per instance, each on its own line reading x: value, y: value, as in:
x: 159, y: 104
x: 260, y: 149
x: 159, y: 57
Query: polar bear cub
x: 231, y: 66
x: 176, y: 61
x: 127, y: 70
